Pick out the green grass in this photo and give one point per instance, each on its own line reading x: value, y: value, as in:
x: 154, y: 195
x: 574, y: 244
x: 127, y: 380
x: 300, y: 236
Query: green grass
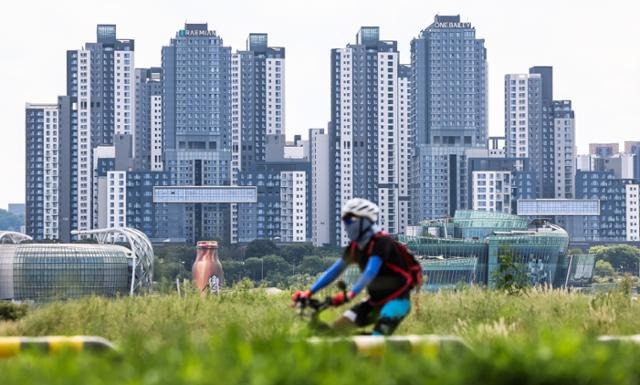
x: 248, y: 337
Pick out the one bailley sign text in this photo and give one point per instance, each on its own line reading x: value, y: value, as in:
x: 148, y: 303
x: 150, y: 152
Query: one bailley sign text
x: 451, y: 24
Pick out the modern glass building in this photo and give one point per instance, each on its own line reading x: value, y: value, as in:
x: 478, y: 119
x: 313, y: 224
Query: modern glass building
x: 466, y: 249
x: 44, y: 272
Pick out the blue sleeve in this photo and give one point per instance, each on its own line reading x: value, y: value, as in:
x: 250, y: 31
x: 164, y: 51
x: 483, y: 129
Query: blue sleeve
x: 369, y: 273
x: 332, y: 273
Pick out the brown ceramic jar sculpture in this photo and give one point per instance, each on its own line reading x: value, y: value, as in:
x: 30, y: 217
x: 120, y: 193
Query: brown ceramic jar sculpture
x: 207, y: 266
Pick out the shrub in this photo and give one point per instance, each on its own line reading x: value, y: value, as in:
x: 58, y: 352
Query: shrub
x: 11, y: 311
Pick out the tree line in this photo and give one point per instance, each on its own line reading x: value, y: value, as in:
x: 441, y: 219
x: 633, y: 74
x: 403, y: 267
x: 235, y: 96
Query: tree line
x: 261, y: 261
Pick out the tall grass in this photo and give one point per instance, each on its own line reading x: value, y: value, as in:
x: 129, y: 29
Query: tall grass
x: 249, y: 337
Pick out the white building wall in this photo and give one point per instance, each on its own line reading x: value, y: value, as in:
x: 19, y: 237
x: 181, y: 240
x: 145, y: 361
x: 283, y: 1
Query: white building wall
x: 124, y: 94
x: 346, y: 133
x: 388, y: 140
x: 497, y: 153
x: 236, y: 134
x: 117, y: 199
x: 404, y: 154
x: 632, y: 207
x: 294, y: 152
x: 156, y: 133
x: 517, y: 114
x: 491, y: 191
x: 293, y: 210
x: 99, y: 187
x: 585, y: 162
x: 51, y: 171
x: 320, y: 180
x: 101, y: 203
x: 275, y: 95
x: 83, y: 157
x: 626, y: 166
x: 564, y: 153
x: 236, y: 115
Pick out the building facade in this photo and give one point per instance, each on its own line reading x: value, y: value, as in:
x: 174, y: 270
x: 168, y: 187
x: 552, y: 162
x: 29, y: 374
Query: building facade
x: 42, y: 188
x: 613, y: 193
x: 497, y: 184
x: 281, y: 208
x: 523, y: 116
x: 320, y: 187
x: 257, y: 114
x: 564, y: 128
x: 196, y: 106
x: 467, y: 248
x: 541, y: 130
x: 148, y: 137
x: 100, y: 85
x: 448, y: 114
x: 369, y: 135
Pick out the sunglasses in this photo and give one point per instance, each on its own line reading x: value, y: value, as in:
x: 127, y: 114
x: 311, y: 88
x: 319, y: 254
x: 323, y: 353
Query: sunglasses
x: 349, y: 219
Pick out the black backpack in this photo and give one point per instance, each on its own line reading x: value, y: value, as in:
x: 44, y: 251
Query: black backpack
x: 413, y: 270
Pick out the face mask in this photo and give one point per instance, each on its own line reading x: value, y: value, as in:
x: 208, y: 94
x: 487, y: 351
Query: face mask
x: 359, y: 229
x: 353, y: 229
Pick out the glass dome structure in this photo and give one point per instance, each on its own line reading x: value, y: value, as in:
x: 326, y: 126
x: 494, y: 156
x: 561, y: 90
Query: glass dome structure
x: 45, y: 272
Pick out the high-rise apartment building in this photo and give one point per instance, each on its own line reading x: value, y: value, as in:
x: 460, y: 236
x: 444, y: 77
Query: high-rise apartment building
x: 42, y: 124
x: 497, y: 183
x: 523, y: 117
x: 196, y: 105
x: 632, y: 212
x: 257, y: 88
x: 257, y: 114
x: 615, y: 222
x: 370, y: 129
x: 448, y: 114
x: 564, y: 144
x: 542, y: 130
x: 148, y: 130
x: 100, y: 84
x: 320, y: 186
x: 99, y: 105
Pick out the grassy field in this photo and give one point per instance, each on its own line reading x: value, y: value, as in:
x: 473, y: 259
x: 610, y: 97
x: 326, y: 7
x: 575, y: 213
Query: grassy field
x: 249, y: 337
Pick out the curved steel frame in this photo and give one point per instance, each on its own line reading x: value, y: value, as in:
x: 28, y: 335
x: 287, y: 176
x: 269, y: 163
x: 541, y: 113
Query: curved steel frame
x: 13, y: 237
x: 140, y: 245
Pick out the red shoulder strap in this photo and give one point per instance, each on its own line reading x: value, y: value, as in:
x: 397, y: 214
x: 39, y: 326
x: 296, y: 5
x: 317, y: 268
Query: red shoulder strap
x: 352, y: 250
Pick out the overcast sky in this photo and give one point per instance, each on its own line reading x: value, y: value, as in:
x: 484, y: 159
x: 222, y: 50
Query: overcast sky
x: 592, y: 45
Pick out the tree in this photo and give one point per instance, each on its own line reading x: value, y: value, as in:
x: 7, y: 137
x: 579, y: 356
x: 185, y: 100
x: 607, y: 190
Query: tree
x: 313, y: 264
x: 626, y: 258
x: 184, y: 254
x: 260, y: 248
x: 294, y: 253
x: 169, y: 270
x: 234, y: 271
x: 276, y: 264
x: 253, y: 268
x: 604, y: 269
x: 509, y: 276
x: 575, y: 251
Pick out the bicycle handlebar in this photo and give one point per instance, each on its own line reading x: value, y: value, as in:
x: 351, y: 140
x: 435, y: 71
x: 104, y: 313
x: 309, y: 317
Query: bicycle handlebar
x: 318, y: 305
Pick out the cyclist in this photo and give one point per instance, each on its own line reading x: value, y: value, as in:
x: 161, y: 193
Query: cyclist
x: 385, y: 272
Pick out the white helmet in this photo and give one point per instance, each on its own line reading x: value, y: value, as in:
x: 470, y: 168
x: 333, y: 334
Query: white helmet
x: 362, y: 208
